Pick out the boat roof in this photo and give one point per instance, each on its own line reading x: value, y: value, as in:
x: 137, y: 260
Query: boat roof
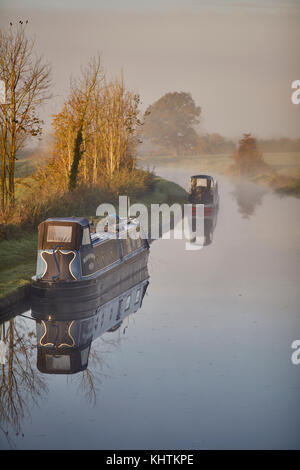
x: 203, y: 176
x: 124, y: 225
x: 78, y: 220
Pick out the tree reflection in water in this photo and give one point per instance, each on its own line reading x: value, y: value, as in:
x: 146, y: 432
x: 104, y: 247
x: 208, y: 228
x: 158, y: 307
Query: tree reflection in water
x: 77, y: 349
x: 248, y: 197
x: 89, y: 381
x: 21, y: 384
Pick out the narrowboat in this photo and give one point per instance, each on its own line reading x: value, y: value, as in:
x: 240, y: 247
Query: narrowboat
x: 77, y: 266
x: 204, y: 190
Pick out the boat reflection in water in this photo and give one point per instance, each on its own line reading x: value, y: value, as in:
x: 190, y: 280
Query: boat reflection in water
x: 64, y: 341
x: 204, y: 190
x: 210, y: 222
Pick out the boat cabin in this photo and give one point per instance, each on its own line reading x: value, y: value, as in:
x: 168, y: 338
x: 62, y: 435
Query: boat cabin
x: 68, y: 251
x: 204, y: 190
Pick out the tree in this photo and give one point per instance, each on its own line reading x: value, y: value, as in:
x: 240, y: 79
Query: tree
x: 248, y: 158
x: 213, y: 144
x: 95, y: 134
x: 27, y: 82
x: 170, y: 122
x: 82, y: 94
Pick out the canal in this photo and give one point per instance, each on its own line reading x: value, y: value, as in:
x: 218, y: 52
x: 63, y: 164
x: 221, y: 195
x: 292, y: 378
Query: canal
x: 202, y: 362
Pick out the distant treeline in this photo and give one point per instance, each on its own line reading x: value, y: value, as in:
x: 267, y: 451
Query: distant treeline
x: 284, y: 144
x: 215, y: 143
x: 171, y: 127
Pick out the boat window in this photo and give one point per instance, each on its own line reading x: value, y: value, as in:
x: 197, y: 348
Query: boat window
x: 58, y: 362
x: 126, y: 245
x: 86, y: 236
x: 114, y: 252
x: 137, y: 296
x: 106, y: 253
x: 59, y: 233
x: 128, y: 302
x: 202, y: 182
x: 133, y: 244
x: 85, y: 356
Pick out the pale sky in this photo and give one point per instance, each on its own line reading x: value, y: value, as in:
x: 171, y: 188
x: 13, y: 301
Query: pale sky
x: 237, y: 58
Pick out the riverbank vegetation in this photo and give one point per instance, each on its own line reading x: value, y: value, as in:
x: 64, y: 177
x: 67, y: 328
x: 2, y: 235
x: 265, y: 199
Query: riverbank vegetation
x: 171, y: 128
x: 19, y: 250
x: 249, y: 163
x: 91, y: 157
x: 280, y: 171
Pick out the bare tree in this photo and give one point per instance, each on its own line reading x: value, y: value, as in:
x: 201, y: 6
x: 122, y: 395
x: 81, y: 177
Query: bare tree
x: 27, y: 81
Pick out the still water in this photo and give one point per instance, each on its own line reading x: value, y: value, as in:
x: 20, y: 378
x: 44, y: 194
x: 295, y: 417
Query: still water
x: 203, y: 360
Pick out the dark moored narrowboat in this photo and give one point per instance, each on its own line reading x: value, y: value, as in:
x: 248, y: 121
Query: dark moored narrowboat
x: 204, y: 190
x: 76, y: 267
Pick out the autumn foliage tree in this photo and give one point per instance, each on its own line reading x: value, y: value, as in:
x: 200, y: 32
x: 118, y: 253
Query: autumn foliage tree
x: 170, y: 122
x: 94, y: 134
x: 27, y: 82
x: 248, y: 159
x: 81, y: 97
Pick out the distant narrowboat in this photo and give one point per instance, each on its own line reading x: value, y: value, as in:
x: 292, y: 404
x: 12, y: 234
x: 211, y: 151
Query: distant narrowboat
x: 204, y: 190
x: 75, y: 266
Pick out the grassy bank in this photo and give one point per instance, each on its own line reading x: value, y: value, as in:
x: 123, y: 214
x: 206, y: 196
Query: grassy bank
x: 287, y: 164
x: 18, y: 255
x: 17, y: 263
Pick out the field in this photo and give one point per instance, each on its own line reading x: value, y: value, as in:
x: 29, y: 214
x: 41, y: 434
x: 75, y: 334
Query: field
x: 283, y: 178
x: 287, y: 164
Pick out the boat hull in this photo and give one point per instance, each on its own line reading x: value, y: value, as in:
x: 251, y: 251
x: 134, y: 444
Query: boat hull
x: 63, y: 299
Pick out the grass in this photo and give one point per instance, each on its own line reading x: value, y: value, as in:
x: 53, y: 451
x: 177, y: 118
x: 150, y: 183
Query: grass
x: 164, y: 192
x: 285, y: 178
x: 17, y: 263
x: 293, y: 189
x: 287, y: 164
x: 18, y: 256
x: 203, y: 163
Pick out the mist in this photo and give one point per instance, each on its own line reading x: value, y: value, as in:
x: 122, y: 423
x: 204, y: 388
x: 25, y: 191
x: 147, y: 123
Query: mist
x: 238, y: 62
